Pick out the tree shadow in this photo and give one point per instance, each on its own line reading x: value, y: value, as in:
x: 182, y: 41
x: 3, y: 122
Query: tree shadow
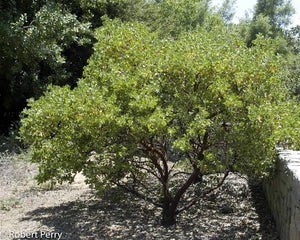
x: 91, y: 219
x: 266, y: 219
x: 215, y: 219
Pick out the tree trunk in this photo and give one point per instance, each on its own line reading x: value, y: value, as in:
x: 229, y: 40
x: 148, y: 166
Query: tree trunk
x: 198, y: 179
x: 168, y: 215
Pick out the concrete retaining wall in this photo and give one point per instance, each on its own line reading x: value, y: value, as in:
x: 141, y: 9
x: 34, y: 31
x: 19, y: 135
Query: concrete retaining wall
x: 283, y: 194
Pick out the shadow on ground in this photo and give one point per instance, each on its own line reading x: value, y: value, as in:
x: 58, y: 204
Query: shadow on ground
x: 266, y: 220
x: 92, y: 219
x: 131, y: 219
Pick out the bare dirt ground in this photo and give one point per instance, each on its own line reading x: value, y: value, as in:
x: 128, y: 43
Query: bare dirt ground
x: 70, y: 212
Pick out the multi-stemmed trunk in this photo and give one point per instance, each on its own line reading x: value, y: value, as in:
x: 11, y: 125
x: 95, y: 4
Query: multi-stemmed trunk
x: 170, y: 204
x: 158, y: 157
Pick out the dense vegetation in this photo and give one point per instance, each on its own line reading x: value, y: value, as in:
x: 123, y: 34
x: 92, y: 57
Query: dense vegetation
x: 171, y: 92
x: 42, y: 43
x: 49, y: 42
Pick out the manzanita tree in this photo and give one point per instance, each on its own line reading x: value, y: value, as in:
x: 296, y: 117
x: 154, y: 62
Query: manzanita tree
x: 155, y: 116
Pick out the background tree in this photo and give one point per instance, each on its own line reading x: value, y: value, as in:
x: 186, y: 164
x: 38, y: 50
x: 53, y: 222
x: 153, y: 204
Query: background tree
x: 293, y: 39
x: 157, y: 117
x: 44, y: 42
x: 279, y: 12
x: 170, y: 18
x: 272, y: 19
x: 227, y: 10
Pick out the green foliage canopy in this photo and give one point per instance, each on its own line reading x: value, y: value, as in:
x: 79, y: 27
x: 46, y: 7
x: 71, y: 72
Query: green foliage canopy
x: 145, y: 107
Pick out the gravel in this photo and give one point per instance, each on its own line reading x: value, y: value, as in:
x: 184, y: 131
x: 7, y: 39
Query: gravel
x: 69, y: 212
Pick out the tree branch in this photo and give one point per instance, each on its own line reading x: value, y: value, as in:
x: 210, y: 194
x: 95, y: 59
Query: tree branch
x: 185, y: 186
x: 204, y: 193
x: 136, y: 180
x: 155, y: 163
x: 164, y: 173
x: 156, y: 150
x: 151, y: 172
x: 181, y: 172
x: 137, y: 194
